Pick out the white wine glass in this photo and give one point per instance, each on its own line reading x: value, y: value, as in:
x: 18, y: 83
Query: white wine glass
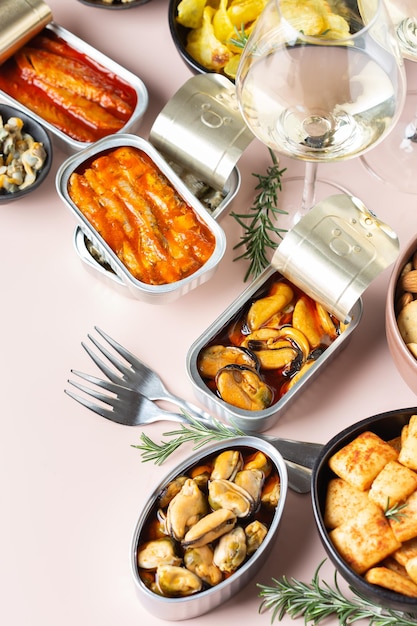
x: 395, y: 161
x: 320, y: 85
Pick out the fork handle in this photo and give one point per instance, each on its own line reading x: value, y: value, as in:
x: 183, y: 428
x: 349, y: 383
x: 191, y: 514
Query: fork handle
x: 189, y: 408
x: 302, y: 453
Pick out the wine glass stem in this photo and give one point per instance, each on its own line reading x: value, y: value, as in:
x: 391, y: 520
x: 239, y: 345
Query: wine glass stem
x: 309, y: 190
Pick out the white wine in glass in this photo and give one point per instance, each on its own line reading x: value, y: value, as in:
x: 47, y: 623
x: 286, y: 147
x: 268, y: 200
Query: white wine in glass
x: 318, y: 84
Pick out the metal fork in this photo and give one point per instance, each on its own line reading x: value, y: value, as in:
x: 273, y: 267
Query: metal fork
x: 129, y: 407
x: 137, y: 375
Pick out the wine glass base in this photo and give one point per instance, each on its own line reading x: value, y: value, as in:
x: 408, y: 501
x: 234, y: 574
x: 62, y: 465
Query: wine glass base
x: 290, y: 198
x: 394, y: 161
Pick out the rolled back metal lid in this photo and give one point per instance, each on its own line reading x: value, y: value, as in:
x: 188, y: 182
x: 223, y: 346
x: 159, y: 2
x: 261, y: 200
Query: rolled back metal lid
x: 202, y: 129
x: 335, y: 251
x: 20, y: 20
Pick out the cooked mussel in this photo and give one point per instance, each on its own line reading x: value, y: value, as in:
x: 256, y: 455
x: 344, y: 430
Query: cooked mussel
x: 255, y: 533
x: 213, y: 358
x: 227, y: 464
x: 176, y: 581
x: 210, y: 528
x: 157, y: 552
x: 230, y: 552
x: 224, y: 494
x: 200, y: 561
x: 264, y: 309
x: 243, y: 387
x: 185, y: 509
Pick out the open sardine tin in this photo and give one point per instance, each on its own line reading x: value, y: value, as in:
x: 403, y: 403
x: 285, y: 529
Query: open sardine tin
x: 332, y: 254
x: 150, y: 293
x: 21, y: 20
x: 201, y: 135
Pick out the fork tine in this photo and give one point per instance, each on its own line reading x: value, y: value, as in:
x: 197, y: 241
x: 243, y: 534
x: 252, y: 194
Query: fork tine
x: 103, y: 412
x: 128, y: 356
x: 108, y: 385
x: 107, y: 371
x: 123, y: 369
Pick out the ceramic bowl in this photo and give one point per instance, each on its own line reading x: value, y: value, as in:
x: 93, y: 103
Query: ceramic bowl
x: 405, y: 361
x: 36, y: 130
x: 182, y: 608
x: 387, y: 426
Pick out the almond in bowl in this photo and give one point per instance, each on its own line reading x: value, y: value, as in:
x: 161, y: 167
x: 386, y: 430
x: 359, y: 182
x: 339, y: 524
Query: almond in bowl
x: 401, y: 314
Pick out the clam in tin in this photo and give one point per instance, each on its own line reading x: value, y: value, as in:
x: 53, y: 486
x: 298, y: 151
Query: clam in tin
x: 178, y: 268
x: 252, y: 362
x: 208, y: 595
x: 117, y: 103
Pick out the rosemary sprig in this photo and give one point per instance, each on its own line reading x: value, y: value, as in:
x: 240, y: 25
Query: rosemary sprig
x: 395, y: 512
x: 258, y: 224
x: 241, y: 37
x: 197, y: 432
x: 317, y: 601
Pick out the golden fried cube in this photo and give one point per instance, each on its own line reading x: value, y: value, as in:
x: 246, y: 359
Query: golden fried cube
x: 393, y: 484
x: 361, y: 460
x: 366, y: 539
x: 407, y: 551
x: 343, y: 501
x: 404, y: 526
x: 394, y: 581
x: 411, y: 568
x: 408, y: 452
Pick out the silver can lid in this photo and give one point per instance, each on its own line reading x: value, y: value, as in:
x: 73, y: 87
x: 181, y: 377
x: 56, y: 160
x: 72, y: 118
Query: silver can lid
x: 20, y: 20
x: 335, y: 251
x: 202, y: 129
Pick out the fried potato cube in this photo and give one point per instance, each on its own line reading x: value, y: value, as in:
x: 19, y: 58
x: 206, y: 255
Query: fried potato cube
x: 393, y: 565
x: 366, y: 539
x: 408, y: 452
x: 411, y: 568
x: 389, y: 579
x: 404, y: 526
x: 361, y: 460
x: 407, y: 551
x: 393, y: 484
x: 343, y: 501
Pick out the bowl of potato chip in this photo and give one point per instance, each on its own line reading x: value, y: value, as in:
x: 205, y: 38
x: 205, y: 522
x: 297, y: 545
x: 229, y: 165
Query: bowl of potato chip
x: 401, y: 314
x: 364, y: 494
x: 210, y: 35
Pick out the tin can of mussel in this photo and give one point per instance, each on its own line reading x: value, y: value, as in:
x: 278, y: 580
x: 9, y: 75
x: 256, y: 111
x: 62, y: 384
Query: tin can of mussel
x: 260, y: 354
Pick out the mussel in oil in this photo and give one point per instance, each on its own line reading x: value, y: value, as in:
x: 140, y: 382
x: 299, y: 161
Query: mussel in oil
x: 177, y: 581
x: 231, y: 550
x: 157, y: 552
x: 185, y: 509
x: 213, y: 358
x: 243, y: 387
x: 200, y: 561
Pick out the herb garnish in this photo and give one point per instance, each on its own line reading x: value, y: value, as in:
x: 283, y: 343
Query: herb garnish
x: 258, y: 222
x: 395, y: 512
x: 317, y: 601
x: 196, y: 432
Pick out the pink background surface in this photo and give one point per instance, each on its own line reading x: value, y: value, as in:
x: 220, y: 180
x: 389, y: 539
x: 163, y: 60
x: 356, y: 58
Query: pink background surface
x: 72, y: 486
